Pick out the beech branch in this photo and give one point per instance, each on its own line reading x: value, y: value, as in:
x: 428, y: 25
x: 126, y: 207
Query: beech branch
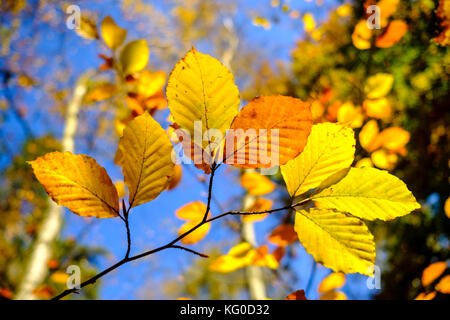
x: 171, y: 244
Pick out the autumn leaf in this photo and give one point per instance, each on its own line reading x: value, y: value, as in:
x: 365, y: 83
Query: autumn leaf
x: 443, y: 285
x: 308, y: 22
x: 378, y: 85
x: 77, y: 182
x: 426, y: 296
x: 263, y: 258
x: 393, y: 34
x: 87, y: 29
x: 368, y: 193
x: 256, y: 184
x: 393, y: 139
x: 283, y: 235
x: 330, y: 148
x: 175, y: 178
x: 336, y: 240
x: 200, y: 88
x: 134, y: 56
x: 368, y: 134
x: 383, y: 159
x: 150, y: 83
x: 333, y: 295
x: 193, y: 212
x: 350, y: 115
x: 387, y: 8
x: 101, y: 92
x: 432, y: 272
x: 361, y: 35
x: 297, y: 295
x: 112, y: 34
x: 443, y: 13
x: 378, y: 108
x: 333, y: 281
x: 237, y: 257
x: 147, y: 164
x: 59, y: 277
x: 249, y: 144
x: 447, y: 207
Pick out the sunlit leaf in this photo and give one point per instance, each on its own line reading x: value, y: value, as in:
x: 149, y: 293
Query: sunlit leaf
x: 384, y: 159
x: 112, y: 34
x: 283, y: 235
x: 426, y: 296
x: 330, y: 148
x: 333, y: 281
x: 193, y: 212
x: 368, y: 134
x: 134, y: 56
x: 147, y: 164
x: 256, y: 184
x: 378, y: 108
x: 176, y: 178
x: 393, y: 34
x: 336, y: 240
x: 378, y: 85
x: 77, y: 182
x: 333, y: 295
x: 368, y: 193
x: 87, y: 29
x: 351, y: 115
x: 432, y: 272
x: 251, y: 144
x: 443, y: 285
x: 259, y: 205
x: 361, y: 35
x: 308, y: 22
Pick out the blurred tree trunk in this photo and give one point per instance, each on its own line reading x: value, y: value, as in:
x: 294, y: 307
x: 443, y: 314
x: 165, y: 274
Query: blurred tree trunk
x: 36, y: 269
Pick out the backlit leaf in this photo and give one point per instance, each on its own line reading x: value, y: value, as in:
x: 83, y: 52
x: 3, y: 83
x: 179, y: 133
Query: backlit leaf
x: 361, y: 35
x: 333, y: 281
x: 368, y: 134
x: 134, y: 56
x: 379, y: 85
x: 443, y: 285
x: 283, y: 235
x: 368, y: 193
x: 426, y: 296
x: 112, y: 34
x: 259, y: 205
x: 193, y: 212
x: 393, y: 34
x: 334, y: 295
x: 250, y: 144
x: 146, y: 159
x: 378, y: 108
x: 256, y: 184
x: 432, y: 272
x: 336, y: 240
x: 330, y: 148
x: 77, y: 182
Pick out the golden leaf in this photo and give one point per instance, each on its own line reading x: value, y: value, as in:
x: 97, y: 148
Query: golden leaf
x: 112, y: 34
x: 333, y: 281
x: 334, y: 295
x: 432, y: 272
x: 443, y: 285
x: 77, y: 182
x: 193, y: 212
x: 283, y: 235
x: 256, y: 184
x: 259, y: 205
x: 393, y: 34
x: 146, y: 159
x: 378, y: 85
x: 378, y: 108
x: 361, y: 35
x: 134, y: 56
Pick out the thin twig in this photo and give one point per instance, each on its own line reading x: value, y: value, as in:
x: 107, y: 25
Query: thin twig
x: 171, y: 244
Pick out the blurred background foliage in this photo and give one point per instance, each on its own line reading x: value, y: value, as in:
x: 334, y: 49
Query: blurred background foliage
x: 402, y: 127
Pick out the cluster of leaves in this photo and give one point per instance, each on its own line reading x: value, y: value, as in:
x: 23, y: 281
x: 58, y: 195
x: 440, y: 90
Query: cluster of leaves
x: 328, y: 195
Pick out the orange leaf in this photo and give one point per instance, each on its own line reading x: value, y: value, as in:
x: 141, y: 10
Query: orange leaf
x: 444, y: 285
x: 283, y: 235
x: 432, y: 272
x: 297, y: 295
x: 426, y: 296
x: 249, y: 144
x: 393, y: 34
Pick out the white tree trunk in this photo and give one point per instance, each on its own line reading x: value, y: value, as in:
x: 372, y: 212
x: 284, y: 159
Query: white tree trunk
x: 36, y: 269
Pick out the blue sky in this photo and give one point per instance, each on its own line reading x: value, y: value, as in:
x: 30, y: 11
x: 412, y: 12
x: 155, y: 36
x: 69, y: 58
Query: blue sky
x: 154, y: 224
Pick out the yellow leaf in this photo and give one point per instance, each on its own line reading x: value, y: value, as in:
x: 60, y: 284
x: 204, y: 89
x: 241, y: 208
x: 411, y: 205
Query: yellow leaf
x: 334, y: 295
x: 368, y: 193
x: 432, y: 272
x: 196, y: 235
x: 77, y: 182
x: 256, y: 184
x: 239, y: 256
x: 330, y: 148
x: 378, y: 85
x: 262, y: 22
x: 350, y: 115
x: 59, y: 277
x: 146, y: 159
x: 443, y: 285
x: 333, y: 281
x: 309, y: 22
x: 200, y: 88
x: 447, y: 207
x: 150, y: 83
x: 283, y: 235
x: 120, y: 187
x: 383, y: 159
x: 393, y: 139
x: 361, y: 35
x: 259, y: 205
x: 250, y: 143
x: 192, y: 211
x: 263, y: 258
x: 426, y: 296
x: 336, y: 240
x: 87, y: 29
x: 112, y: 34
x: 101, y: 92
x: 393, y: 34
x: 368, y: 134
x: 378, y: 108
x: 134, y: 56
